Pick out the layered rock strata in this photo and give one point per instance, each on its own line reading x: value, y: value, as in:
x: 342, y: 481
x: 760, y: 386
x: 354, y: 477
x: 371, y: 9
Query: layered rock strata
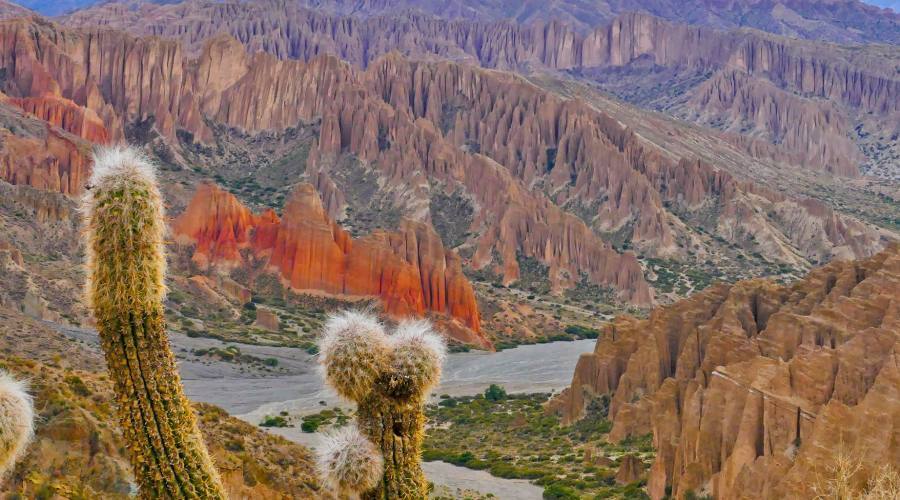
x: 750, y: 390
x: 518, y: 151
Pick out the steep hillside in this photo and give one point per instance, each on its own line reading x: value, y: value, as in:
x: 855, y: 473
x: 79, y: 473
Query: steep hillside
x: 10, y: 10
x: 810, y: 100
x: 841, y: 20
x: 541, y: 190
x: 233, y: 88
x: 752, y: 389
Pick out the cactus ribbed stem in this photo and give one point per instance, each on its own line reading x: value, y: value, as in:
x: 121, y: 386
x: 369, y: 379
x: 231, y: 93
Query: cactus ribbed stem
x: 398, y: 430
x: 126, y: 264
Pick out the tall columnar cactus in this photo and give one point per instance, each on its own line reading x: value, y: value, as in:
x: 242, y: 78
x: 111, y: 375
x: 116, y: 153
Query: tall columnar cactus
x: 126, y: 269
x: 388, y: 377
x: 16, y: 422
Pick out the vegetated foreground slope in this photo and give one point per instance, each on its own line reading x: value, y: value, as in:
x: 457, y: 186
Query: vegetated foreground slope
x: 804, y: 103
x: 78, y: 451
x: 753, y: 390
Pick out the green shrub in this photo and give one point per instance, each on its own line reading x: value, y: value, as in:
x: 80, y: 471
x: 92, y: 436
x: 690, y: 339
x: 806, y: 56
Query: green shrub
x: 582, y: 332
x: 559, y: 492
x: 310, y: 425
x: 495, y: 393
x: 273, y: 421
x: 78, y: 386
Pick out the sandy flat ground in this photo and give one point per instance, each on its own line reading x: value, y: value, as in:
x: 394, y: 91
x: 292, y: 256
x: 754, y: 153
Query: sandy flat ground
x: 296, y: 386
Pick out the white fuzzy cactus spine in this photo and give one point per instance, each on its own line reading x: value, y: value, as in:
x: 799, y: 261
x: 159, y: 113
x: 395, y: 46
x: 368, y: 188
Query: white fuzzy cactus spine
x: 417, y: 357
x: 353, y: 351
x: 16, y: 421
x: 349, y: 463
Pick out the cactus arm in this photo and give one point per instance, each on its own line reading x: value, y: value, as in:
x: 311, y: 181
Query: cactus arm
x: 126, y: 268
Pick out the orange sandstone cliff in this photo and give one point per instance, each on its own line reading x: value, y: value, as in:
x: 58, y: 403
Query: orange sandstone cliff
x: 409, y: 270
x: 752, y: 389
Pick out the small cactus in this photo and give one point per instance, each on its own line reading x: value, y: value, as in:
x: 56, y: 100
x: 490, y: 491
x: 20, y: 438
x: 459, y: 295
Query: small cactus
x: 16, y: 421
x: 126, y: 271
x: 353, y: 352
x: 388, y: 377
x: 349, y: 462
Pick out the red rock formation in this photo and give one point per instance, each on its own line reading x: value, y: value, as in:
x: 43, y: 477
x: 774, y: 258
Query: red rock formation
x: 120, y: 78
x: 65, y: 114
x: 53, y: 163
x: 218, y: 223
x: 751, y: 389
x: 409, y: 270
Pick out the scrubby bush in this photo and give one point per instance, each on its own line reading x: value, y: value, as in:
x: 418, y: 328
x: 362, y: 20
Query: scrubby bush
x: 273, y: 421
x: 495, y: 393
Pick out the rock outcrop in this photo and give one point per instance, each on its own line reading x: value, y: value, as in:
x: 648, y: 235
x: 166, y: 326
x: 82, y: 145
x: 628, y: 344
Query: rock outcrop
x: 50, y: 160
x: 630, y: 469
x: 751, y: 389
x: 409, y: 270
x: 267, y: 320
x: 65, y: 114
x: 855, y: 79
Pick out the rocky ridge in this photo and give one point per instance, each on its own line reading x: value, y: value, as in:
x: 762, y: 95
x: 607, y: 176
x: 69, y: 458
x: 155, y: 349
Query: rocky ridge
x: 40, y: 153
x: 409, y: 270
x: 845, y: 21
x: 420, y: 124
x: 756, y: 84
x: 237, y: 89
x: 749, y: 389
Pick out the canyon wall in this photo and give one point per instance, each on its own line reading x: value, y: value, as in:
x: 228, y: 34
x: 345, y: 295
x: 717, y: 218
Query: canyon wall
x: 409, y: 270
x: 838, y: 21
x: 518, y: 150
x: 135, y: 80
x: 751, y: 389
x: 39, y: 153
x: 805, y: 72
